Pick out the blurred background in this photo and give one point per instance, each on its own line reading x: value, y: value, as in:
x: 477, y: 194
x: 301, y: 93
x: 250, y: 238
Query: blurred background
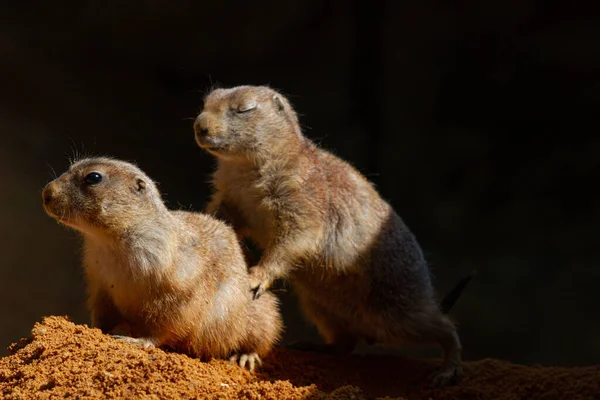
x: 478, y: 122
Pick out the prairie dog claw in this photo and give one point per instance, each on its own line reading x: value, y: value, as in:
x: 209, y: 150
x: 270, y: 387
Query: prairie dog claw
x: 251, y: 359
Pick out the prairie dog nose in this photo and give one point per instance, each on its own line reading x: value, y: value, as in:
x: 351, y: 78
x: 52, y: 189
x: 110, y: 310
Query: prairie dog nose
x: 201, y: 125
x: 48, y: 193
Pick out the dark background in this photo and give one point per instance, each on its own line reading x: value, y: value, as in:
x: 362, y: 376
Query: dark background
x: 478, y: 122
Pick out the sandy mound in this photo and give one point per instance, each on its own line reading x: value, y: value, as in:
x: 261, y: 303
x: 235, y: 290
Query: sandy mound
x: 67, y: 360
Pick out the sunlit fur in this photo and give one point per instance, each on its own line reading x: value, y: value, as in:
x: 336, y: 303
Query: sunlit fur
x: 170, y: 278
x: 357, y: 269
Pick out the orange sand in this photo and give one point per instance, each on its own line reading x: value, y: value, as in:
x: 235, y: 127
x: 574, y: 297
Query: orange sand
x: 62, y: 359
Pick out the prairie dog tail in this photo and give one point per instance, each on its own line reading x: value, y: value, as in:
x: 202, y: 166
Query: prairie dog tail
x: 450, y: 299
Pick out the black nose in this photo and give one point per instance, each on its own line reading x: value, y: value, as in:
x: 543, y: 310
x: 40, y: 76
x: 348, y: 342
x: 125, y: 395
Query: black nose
x: 201, y: 131
x: 47, y: 196
x: 201, y: 125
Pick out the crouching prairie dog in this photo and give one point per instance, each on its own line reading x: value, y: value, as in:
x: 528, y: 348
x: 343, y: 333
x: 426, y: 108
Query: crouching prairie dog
x: 169, y: 278
x: 356, y: 268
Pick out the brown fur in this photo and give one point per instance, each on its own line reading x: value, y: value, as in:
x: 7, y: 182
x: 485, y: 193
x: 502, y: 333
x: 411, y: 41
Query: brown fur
x: 171, y: 278
x: 357, y: 269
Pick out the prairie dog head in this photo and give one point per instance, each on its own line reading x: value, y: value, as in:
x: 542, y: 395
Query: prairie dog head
x: 101, y: 195
x: 244, y: 121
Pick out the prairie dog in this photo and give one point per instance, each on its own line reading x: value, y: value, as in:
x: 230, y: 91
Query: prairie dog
x: 358, y: 271
x: 169, y: 278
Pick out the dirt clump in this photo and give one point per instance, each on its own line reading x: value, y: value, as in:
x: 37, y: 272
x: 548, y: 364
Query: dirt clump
x: 62, y: 359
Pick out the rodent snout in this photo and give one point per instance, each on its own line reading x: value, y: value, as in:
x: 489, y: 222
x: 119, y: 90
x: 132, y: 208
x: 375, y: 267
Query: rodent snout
x: 209, y: 131
x: 48, y: 194
x: 202, y: 131
x: 201, y: 126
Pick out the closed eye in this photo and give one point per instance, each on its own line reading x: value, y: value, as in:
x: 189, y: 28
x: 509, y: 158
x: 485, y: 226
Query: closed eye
x: 245, y: 107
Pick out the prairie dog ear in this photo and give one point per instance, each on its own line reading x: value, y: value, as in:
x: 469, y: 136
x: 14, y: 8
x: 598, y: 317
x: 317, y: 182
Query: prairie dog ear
x: 140, y: 185
x: 278, y: 103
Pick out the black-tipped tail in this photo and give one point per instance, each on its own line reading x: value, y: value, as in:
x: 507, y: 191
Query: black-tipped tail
x: 450, y: 299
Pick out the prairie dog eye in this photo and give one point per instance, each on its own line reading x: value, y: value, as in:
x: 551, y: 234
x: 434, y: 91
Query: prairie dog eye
x: 246, y: 106
x: 92, y: 178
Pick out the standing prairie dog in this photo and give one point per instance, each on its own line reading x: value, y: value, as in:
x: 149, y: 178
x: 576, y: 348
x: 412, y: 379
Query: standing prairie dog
x: 170, y: 278
x: 358, y: 271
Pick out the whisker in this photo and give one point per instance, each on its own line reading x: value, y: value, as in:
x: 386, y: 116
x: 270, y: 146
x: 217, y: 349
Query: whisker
x: 52, y: 169
x: 73, y: 149
x: 77, y: 154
